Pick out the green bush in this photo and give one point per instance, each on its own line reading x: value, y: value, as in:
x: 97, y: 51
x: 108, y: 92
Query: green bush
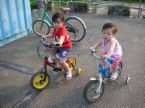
x: 131, y: 1
x: 33, y: 4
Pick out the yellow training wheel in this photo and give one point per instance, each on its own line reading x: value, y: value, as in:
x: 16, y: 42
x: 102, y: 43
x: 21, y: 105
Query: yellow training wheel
x: 38, y: 82
x: 71, y: 60
x: 79, y: 71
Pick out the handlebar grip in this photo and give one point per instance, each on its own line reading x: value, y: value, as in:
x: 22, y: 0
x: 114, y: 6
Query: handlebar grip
x: 93, y: 51
x: 53, y: 46
x: 57, y: 44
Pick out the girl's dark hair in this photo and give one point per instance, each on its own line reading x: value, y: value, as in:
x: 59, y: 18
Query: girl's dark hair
x: 58, y: 15
x: 110, y: 26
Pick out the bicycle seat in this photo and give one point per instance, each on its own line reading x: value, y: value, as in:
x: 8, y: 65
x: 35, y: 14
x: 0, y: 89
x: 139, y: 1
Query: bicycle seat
x: 65, y: 10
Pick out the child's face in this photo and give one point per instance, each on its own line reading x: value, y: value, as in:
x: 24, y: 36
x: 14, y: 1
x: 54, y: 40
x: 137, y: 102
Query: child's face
x: 58, y: 23
x: 107, y: 34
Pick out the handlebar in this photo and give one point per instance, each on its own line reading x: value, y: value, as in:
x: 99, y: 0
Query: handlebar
x: 107, y: 60
x: 51, y: 45
x: 93, y: 52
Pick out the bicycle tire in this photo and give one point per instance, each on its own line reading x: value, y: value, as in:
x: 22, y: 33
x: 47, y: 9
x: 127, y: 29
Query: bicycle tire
x: 44, y: 28
x: 82, y: 24
x: 87, y: 87
x: 46, y: 83
x: 40, y: 47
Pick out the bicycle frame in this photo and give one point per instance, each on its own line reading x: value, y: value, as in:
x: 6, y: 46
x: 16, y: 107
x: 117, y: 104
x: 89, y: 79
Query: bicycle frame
x: 100, y: 77
x: 46, y: 63
x: 46, y: 17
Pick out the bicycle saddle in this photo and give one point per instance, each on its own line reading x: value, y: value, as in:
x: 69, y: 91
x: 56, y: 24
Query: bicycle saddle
x: 65, y: 10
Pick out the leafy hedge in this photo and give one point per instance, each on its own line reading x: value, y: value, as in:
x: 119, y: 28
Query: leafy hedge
x: 106, y: 0
x: 131, y: 1
x: 33, y: 4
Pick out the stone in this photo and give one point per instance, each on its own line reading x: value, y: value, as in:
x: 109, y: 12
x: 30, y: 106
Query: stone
x: 118, y: 10
x: 79, y: 7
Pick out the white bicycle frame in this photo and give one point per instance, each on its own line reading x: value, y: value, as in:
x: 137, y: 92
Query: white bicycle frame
x: 99, y: 76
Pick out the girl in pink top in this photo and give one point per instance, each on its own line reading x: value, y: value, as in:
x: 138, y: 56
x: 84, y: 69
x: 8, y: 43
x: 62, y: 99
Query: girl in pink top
x: 111, y: 47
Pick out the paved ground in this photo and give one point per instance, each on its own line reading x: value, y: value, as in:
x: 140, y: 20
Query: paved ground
x: 15, y: 88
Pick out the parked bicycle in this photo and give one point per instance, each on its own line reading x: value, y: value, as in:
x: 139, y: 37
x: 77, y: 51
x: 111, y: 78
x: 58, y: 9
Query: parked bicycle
x: 75, y: 25
x: 94, y: 89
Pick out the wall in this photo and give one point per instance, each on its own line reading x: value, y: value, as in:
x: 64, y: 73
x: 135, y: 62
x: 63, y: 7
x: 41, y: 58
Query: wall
x: 15, y: 20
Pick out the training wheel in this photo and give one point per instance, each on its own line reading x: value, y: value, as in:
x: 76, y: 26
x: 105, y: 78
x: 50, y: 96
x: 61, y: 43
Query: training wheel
x: 128, y: 80
x: 79, y: 71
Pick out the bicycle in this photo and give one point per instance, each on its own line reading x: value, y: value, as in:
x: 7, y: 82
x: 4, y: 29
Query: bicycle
x: 42, y: 26
x: 94, y: 89
x: 41, y: 79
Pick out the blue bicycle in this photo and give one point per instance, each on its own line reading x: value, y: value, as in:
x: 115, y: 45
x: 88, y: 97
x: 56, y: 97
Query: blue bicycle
x: 95, y: 87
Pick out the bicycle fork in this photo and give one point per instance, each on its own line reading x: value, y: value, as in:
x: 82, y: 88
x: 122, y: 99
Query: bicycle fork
x: 100, y: 84
x: 100, y: 80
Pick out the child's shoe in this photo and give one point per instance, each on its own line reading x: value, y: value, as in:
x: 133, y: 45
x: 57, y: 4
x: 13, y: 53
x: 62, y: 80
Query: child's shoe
x: 114, y: 76
x: 50, y: 60
x: 68, y: 75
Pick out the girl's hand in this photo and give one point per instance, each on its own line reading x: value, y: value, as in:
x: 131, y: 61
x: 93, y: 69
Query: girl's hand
x: 92, y: 49
x: 104, y: 56
x: 56, y: 43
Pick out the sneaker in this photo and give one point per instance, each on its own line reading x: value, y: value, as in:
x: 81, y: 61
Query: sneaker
x: 114, y: 76
x: 50, y: 60
x: 68, y: 75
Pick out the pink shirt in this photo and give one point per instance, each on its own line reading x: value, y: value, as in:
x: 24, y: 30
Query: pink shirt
x: 117, y: 51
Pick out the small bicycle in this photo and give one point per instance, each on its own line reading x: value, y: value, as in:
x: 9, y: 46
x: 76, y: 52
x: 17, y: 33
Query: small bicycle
x: 41, y: 79
x: 94, y: 89
x: 75, y: 25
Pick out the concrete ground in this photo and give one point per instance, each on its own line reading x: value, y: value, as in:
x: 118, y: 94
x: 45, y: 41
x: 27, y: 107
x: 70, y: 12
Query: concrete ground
x: 15, y: 89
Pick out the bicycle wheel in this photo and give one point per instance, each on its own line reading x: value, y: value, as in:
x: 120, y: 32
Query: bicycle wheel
x: 41, y: 27
x: 76, y: 28
x: 90, y: 92
x: 42, y: 51
x: 38, y: 82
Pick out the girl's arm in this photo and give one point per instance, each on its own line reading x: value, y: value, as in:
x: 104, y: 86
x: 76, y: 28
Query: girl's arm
x: 111, y: 49
x: 97, y: 45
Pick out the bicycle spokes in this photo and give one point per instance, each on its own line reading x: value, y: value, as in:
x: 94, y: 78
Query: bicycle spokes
x: 72, y: 30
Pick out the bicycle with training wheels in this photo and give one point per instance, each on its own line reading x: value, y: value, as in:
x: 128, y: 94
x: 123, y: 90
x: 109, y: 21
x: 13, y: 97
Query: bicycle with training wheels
x: 75, y: 25
x: 41, y: 79
x: 94, y: 89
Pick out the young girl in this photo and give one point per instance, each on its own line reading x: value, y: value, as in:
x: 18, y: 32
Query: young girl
x: 111, y: 47
x: 63, y: 40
